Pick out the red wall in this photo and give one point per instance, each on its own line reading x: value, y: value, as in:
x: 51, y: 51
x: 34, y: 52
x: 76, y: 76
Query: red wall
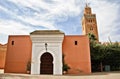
x: 18, y: 54
x: 3, y: 49
x: 77, y: 56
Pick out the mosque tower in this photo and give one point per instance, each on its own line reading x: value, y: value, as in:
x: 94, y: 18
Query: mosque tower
x: 89, y: 23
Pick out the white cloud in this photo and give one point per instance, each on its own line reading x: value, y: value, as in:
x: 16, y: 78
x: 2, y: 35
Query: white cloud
x: 3, y: 38
x: 36, y: 21
x: 57, y: 9
x: 47, y: 14
x: 13, y: 28
x: 107, y: 14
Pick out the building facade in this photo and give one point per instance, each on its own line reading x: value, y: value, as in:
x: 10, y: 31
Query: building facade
x: 45, y: 50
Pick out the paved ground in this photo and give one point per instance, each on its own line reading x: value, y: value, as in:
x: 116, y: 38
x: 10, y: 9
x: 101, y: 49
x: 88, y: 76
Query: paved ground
x: 103, y: 75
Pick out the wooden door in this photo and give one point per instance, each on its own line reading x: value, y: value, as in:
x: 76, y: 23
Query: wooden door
x: 46, y: 66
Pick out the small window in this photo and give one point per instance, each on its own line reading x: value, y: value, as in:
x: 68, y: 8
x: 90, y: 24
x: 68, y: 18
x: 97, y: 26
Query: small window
x: 12, y: 42
x: 90, y: 20
x: 76, y: 43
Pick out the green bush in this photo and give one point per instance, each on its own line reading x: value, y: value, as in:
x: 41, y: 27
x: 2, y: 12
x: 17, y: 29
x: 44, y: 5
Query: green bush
x: 29, y: 66
x: 65, y: 67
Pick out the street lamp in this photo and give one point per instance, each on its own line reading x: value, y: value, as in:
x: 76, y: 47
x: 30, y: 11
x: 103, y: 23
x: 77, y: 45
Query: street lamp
x: 46, y: 46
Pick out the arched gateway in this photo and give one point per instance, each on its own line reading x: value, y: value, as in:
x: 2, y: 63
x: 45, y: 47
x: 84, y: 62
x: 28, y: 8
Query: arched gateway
x: 47, y: 52
x: 46, y: 65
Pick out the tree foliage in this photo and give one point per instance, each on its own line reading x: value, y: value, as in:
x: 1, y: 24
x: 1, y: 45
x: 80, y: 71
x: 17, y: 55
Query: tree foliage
x: 104, y: 54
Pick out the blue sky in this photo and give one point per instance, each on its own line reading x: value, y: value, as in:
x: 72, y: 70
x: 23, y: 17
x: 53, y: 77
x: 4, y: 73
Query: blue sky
x: 20, y: 17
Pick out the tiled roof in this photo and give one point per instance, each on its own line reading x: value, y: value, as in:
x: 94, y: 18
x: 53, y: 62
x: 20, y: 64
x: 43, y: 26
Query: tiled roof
x: 46, y: 32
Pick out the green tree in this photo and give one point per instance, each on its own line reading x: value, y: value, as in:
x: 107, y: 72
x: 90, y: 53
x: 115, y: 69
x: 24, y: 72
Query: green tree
x: 104, y: 54
x: 92, y: 37
x: 98, y: 52
x: 113, y: 56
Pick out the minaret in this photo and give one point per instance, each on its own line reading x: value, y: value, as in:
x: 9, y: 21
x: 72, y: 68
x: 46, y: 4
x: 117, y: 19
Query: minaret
x: 89, y: 23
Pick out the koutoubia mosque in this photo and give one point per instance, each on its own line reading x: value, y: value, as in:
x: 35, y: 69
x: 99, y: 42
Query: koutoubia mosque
x: 89, y: 23
x: 44, y: 50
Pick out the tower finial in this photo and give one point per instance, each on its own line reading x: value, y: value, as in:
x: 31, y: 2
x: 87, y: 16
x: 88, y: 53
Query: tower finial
x: 86, y: 3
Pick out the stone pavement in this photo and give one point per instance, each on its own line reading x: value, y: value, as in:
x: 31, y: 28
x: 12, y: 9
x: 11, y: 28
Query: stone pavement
x: 91, y: 76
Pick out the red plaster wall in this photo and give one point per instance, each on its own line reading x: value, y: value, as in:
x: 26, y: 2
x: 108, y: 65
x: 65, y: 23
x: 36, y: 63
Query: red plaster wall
x: 77, y: 56
x: 3, y: 49
x: 18, y: 54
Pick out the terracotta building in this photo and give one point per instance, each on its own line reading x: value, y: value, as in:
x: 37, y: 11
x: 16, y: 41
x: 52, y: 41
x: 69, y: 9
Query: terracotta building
x: 45, y: 48
x: 3, y: 49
